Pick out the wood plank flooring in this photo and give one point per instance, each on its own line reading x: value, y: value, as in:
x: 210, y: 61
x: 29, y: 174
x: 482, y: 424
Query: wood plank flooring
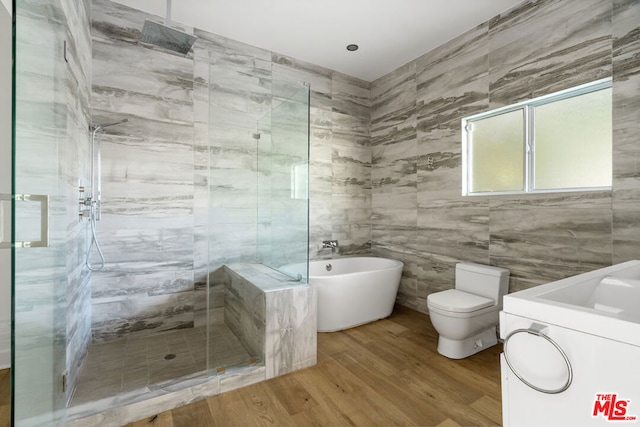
x: 380, y: 374
x: 5, y: 397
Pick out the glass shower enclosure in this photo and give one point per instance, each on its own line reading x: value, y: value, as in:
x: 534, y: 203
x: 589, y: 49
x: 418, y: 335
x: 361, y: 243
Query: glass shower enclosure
x: 283, y: 187
x: 256, y: 211
x: 39, y: 216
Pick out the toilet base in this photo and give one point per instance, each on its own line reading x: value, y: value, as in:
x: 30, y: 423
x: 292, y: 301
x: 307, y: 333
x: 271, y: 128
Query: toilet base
x: 459, y: 349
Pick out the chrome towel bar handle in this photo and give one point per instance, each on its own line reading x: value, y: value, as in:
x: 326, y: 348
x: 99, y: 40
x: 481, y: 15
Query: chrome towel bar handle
x: 536, y: 329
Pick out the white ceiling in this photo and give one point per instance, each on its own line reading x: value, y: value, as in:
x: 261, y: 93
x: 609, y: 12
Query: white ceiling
x: 390, y: 33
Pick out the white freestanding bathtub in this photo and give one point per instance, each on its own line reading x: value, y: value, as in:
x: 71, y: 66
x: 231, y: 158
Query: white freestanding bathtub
x: 354, y: 291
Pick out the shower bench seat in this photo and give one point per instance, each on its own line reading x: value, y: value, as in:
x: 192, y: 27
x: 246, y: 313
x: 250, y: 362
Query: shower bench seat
x: 271, y: 314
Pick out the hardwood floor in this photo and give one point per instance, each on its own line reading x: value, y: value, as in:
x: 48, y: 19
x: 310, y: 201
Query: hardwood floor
x: 380, y: 374
x: 5, y: 397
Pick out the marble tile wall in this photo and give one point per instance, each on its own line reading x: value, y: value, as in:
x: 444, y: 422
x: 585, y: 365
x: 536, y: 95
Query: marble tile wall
x: 201, y: 161
x: 232, y: 90
x: 351, y: 170
x: 291, y: 330
x: 626, y: 129
x: 147, y: 227
x: 78, y: 297
x: 237, y: 84
x: 340, y: 159
x: 282, y: 235
x: 244, y: 312
x: 419, y: 215
x: 394, y: 173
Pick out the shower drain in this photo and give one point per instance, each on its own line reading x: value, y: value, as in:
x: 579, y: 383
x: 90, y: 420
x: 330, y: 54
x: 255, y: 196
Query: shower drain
x: 170, y: 356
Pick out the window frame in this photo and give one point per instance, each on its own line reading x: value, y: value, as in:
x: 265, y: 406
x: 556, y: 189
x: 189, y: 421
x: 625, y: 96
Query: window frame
x: 528, y: 107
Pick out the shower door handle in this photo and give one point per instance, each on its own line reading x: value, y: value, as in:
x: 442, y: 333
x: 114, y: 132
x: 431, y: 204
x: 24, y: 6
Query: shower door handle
x: 5, y: 238
x: 5, y: 221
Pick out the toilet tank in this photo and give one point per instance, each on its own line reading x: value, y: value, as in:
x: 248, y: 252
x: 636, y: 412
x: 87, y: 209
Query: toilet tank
x: 484, y: 280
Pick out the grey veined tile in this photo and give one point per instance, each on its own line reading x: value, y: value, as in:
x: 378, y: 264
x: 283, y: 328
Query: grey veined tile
x: 544, y: 244
x: 546, y: 46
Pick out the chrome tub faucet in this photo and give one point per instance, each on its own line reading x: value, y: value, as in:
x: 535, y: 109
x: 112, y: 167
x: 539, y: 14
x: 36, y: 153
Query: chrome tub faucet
x: 330, y: 244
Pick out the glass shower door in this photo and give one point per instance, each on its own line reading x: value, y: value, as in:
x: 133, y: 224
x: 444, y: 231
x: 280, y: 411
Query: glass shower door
x: 39, y: 215
x: 283, y: 187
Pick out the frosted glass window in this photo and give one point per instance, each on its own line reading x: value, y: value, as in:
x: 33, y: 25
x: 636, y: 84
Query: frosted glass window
x: 573, y: 142
x: 496, y: 153
x: 558, y: 142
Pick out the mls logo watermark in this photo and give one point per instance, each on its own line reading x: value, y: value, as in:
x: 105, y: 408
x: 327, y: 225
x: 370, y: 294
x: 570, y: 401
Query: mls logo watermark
x: 612, y: 408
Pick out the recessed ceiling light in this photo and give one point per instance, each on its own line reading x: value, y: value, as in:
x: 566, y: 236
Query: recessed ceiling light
x: 352, y: 47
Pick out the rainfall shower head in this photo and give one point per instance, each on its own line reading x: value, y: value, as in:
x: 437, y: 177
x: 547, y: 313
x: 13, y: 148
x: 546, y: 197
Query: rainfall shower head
x: 95, y: 128
x: 165, y: 36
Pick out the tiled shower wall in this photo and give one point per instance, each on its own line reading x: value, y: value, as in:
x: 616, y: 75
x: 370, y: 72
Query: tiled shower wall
x: 419, y: 215
x: 76, y: 167
x: 147, y: 226
x: 185, y: 120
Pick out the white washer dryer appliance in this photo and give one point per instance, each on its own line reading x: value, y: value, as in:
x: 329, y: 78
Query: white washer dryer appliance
x: 571, y: 353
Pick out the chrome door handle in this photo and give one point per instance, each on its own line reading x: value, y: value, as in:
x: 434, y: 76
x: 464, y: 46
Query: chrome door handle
x: 5, y: 221
x: 44, y: 221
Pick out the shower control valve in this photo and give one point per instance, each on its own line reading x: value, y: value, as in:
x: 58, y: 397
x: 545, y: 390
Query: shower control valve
x: 86, y: 203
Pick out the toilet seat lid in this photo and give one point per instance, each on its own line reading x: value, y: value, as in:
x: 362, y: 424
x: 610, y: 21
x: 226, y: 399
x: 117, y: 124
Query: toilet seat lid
x: 458, y: 301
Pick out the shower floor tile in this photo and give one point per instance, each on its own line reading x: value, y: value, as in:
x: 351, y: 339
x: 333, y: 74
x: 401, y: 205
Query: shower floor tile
x: 139, y: 362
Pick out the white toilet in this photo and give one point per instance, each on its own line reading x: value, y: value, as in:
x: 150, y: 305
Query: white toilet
x: 467, y: 317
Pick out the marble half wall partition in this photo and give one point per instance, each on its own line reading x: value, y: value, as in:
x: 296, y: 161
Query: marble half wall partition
x: 274, y: 317
x: 272, y: 314
x: 291, y: 329
x: 244, y: 309
x: 419, y: 215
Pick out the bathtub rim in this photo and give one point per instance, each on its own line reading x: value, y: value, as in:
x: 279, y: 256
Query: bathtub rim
x: 396, y: 264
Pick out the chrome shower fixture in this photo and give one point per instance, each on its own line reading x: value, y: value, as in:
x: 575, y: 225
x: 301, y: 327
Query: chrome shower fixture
x: 165, y: 36
x: 97, y: 128
x: 91, y: 204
